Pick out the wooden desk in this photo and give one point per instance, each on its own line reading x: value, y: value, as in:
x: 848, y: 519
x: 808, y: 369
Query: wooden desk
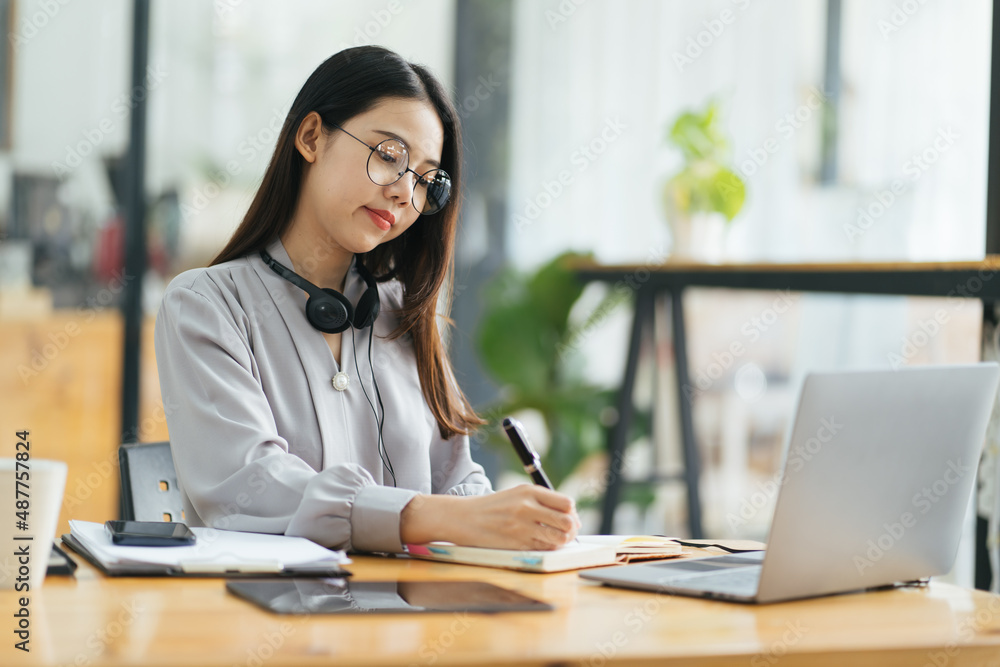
x: 98, y: 621
x: 962, y: 280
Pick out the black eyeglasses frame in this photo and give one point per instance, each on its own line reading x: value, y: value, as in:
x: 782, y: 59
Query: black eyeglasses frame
x: 420, y: 177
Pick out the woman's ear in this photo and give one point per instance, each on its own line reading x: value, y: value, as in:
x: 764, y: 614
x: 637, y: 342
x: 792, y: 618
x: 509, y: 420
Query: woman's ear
x: 307, y: 138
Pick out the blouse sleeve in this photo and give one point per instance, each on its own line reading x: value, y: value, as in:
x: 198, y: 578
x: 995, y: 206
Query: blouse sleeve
x: 452, y: 469
x: 231, y: 462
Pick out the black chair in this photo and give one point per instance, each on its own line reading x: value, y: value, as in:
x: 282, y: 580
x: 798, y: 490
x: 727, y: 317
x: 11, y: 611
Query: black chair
x: 149, y: 483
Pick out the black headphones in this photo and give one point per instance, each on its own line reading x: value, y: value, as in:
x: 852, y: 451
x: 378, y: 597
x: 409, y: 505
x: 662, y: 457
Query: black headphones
x: 328, y: 310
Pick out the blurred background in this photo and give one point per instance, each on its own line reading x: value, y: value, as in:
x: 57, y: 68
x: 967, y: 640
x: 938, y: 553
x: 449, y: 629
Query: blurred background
x: 839, y: 130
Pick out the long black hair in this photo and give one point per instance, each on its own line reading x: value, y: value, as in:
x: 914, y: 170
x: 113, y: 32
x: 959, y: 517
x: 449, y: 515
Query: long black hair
x: 349, y: 83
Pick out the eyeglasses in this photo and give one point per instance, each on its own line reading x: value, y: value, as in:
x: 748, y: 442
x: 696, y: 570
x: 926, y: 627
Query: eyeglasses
x: 390, y: 160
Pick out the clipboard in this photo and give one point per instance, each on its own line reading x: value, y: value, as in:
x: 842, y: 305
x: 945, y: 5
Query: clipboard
x: 247, y: 570
x: 60, y: 564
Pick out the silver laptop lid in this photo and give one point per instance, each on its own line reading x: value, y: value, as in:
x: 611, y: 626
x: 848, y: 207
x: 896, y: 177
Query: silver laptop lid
x: 877, y: 478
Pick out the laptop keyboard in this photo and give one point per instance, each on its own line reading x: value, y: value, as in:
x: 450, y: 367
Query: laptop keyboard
x: 736, y: 581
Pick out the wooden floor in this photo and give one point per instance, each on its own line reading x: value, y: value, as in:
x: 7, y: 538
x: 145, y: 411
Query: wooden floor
x: 61, y: 381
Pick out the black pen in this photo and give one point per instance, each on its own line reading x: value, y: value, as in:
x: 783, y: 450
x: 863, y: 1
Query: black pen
x: 529, y: 457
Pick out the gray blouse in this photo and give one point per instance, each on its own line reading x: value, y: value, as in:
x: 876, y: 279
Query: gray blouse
x: 264, y: 442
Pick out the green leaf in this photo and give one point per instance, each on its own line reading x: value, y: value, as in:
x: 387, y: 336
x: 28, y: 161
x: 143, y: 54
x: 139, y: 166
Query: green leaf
x: 705, y: 184
x: 641, y: 494
x: 678, y: 194
x: 512, y: 349
x: 525, y: 344
x: 699, y: 136
x: 727, y: 192
x: 554, y: 289
x: 525, y: 324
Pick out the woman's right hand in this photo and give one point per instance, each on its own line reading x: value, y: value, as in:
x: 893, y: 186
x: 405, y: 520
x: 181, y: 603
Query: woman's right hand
x: 524, y: 517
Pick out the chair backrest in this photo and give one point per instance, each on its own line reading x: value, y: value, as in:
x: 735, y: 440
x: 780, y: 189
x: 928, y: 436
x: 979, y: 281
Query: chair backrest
x: 149, y: 483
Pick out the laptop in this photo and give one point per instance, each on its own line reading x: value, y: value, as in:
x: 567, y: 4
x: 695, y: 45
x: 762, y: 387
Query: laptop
x: 877, y: 478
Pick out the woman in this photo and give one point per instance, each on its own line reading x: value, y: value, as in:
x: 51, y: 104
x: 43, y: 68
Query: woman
x: 279, y: 426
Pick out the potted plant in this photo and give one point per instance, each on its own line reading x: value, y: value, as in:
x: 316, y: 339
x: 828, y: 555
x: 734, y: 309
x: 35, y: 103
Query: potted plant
x: 705, y: 194
x: 528, y: 344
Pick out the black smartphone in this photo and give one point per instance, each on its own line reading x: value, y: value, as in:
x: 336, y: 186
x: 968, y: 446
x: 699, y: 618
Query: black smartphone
x: 149, y: 533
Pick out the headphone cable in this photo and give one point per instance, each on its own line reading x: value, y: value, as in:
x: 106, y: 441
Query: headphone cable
x: 382, y: 453
x: 378, y: 396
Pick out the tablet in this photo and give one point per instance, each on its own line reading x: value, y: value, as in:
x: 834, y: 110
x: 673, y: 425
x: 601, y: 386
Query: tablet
x: 343, y: 596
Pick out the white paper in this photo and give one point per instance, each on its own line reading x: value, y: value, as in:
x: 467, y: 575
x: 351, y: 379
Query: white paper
x: 213, y: 549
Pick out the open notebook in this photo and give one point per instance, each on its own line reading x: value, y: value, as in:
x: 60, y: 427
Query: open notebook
x: 587, y: 551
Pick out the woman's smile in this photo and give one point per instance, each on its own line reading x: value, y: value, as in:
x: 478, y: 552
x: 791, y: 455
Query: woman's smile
x: 383, y: 219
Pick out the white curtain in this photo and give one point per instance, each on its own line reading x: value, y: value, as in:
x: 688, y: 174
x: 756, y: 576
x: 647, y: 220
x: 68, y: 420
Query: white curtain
x: 625, y: 69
